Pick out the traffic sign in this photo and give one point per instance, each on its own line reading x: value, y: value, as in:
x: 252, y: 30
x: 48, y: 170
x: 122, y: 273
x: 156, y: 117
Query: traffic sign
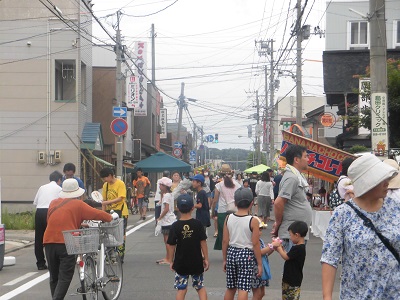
x: 177, y: 152
x: 177, y: 144
x: 119, y: 126
x: 192, y: 153
x: 119, y: 112
x: 210, y: 138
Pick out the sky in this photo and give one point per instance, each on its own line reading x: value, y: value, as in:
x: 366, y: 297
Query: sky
x: 210, y: 46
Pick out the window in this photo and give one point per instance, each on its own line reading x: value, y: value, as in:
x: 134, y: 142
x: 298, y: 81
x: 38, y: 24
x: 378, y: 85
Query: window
x: 396, y: 33
x: 65, y: 80
x: 358, y: 33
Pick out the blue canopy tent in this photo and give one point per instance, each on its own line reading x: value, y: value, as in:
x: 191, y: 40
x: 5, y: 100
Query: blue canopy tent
x: 160, y: 162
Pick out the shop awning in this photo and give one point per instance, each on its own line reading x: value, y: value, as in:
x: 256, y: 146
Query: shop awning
x: 160, y: 162
x: 102, y: 161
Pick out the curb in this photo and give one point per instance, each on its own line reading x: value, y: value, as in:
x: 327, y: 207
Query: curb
x: 16, y: 248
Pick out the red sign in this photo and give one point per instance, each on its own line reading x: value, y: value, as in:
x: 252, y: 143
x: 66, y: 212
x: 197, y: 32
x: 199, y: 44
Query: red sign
x: 177, y: 152
x: 119, y: 126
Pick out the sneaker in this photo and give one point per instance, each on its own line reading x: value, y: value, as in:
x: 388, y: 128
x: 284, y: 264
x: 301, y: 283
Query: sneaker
x: 143, y: 218
x: 40, y: 268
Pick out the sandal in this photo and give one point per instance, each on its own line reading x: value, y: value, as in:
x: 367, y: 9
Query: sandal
x: 216, y: 234
x: 164, y: 263
x: 158, y: 261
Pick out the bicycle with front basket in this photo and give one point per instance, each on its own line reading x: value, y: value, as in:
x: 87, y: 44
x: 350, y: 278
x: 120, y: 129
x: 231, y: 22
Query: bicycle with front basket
x: 98, y: 262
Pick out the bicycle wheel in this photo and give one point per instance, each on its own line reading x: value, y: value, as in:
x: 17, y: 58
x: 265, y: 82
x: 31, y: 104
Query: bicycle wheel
x: 113, y: 275
x: 88, y: 284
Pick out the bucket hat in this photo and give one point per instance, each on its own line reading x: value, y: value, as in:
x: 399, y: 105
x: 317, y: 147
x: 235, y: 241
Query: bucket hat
x: 165, y: 181
x: 394, y: 183
x: 71, y: 189
x: 367, y: 171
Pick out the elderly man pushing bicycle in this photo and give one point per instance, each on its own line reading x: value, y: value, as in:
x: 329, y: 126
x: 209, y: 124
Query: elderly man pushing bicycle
x: 66, y: 213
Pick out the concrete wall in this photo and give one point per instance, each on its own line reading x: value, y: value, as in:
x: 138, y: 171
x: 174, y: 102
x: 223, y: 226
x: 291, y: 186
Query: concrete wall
x: 338, y: 15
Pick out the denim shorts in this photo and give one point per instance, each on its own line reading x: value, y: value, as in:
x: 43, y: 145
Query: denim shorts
x: 143, y: 203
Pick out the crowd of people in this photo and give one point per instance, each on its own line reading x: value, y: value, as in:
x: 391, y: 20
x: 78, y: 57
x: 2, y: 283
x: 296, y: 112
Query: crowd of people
x: 362, y: 235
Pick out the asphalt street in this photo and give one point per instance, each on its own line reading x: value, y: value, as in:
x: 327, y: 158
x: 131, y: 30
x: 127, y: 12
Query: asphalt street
x: 145, y: 280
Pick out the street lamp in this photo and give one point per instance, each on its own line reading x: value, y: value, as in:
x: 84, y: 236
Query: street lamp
x: 255, y: 159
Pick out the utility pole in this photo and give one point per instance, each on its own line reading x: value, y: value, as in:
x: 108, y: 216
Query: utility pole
x: 153, y: 56
x: 258, y: 159
x: 201, y: 143
x: 118, y: 93
x: 378, y: 64
x: 271, y: 107
x: 299, y: 35
x: 181, y: 104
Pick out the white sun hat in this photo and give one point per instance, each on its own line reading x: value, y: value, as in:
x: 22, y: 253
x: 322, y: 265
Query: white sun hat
x: 71, y: 189
x: 367, y: 171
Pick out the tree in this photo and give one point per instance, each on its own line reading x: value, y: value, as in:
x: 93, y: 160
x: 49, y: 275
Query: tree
x: 393, y: 73
x: 252, y: 162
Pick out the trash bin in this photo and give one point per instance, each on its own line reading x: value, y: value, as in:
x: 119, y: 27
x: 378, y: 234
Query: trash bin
x: 2, y: 245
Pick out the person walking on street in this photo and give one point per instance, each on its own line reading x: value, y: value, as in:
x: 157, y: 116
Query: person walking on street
x: 363, y: 236
x: 292, y: 204
x: 252, y: 183
x: 157, y: 196
x: 265, y: 194
x: 114, y: 195
x: 187, y: 250
x: 241, y: 247
x: 66, y: 213
x: 224, y: 195
x: 142, y: 185
x: 202, y: 207
x: 69, y: 172
x: 43, y: 198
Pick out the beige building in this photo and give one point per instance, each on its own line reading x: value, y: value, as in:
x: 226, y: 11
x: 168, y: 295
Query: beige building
x: 45, y: 93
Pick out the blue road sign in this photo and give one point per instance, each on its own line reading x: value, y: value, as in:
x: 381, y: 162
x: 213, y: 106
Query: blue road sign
x: 177, y: 144
x: 119, y: 126
x: 210, y: 138
x: 119, y: 112
x: 192, y: 153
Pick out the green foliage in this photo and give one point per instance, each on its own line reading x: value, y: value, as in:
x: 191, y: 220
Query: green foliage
x: 358, y: 148
x: 250, y: 159
x: 18, y: 221
x: 233, y: 156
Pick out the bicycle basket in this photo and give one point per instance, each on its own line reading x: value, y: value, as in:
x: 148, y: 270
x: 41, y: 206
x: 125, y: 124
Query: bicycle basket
x: 113, y: 233
x: 81, y: 241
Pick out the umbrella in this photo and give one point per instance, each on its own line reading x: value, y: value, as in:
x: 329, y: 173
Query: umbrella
x: 259, y: 169
x: 160, y: 162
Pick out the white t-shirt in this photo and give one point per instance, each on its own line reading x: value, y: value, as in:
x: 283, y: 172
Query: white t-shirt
x: 265, y: 188
x: 46, y: 194
x: 226, y: 195
x: 169, y: 218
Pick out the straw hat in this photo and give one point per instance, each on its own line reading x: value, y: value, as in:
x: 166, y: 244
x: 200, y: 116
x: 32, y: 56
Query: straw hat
x: 71, y: 189
x: 395, y: 181
x: 367, y: 171
x: 225, y: 168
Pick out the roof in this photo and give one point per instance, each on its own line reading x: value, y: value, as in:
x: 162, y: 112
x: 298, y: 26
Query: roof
x: 92, y: 137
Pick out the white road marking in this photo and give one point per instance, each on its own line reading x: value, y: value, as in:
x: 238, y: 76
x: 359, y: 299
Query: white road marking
x: 43, y: 277
x: 25, y: 287
x: 23, y: 277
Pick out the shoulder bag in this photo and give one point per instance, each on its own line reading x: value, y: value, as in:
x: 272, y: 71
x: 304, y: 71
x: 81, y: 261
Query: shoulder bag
x: 369, y: 224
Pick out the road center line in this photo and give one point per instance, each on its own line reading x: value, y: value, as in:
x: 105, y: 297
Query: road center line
x: 23, y: 277
x: 25, y: 287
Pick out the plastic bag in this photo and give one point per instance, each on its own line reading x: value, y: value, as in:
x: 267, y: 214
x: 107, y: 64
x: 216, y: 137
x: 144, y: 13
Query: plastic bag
x: 157, y: 231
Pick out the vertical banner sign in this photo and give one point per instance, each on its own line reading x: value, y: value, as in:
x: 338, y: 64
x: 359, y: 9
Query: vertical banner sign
x: 379, y: 125
x: 163, y: 123
x: 364, y: 100
x: 140, y: 54
x: 132, y: 93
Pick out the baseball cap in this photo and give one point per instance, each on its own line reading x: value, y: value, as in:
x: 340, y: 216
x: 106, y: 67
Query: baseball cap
x: 243, y: 194
x: 184, y: 201
x: 198, y: 177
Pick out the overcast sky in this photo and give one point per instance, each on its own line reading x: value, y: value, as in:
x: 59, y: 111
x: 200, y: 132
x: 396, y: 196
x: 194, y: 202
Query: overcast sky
x: 209, y: 45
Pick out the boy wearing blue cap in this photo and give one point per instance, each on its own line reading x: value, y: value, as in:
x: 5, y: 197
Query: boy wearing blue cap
x: 187, y: 250
x: 202, y: 206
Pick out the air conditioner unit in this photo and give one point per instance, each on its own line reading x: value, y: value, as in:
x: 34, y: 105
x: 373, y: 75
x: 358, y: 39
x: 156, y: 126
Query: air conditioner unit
x: 41, y: 157
x: 321, y: 132
x: 57, y: 156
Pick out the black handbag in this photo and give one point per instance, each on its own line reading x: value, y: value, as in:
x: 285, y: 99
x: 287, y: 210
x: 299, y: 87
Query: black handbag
x: 369, y: 224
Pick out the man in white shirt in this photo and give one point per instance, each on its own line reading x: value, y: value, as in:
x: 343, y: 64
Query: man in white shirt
x: 44, y: 196
x: 157, y: 196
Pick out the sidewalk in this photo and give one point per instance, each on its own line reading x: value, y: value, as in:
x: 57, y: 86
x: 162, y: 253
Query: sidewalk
x: 18, y: 239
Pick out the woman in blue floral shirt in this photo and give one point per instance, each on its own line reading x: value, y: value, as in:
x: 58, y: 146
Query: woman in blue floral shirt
x: 369, y: 269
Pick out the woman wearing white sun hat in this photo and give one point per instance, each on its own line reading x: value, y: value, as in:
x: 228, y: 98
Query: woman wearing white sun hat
x: 370, y: 262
